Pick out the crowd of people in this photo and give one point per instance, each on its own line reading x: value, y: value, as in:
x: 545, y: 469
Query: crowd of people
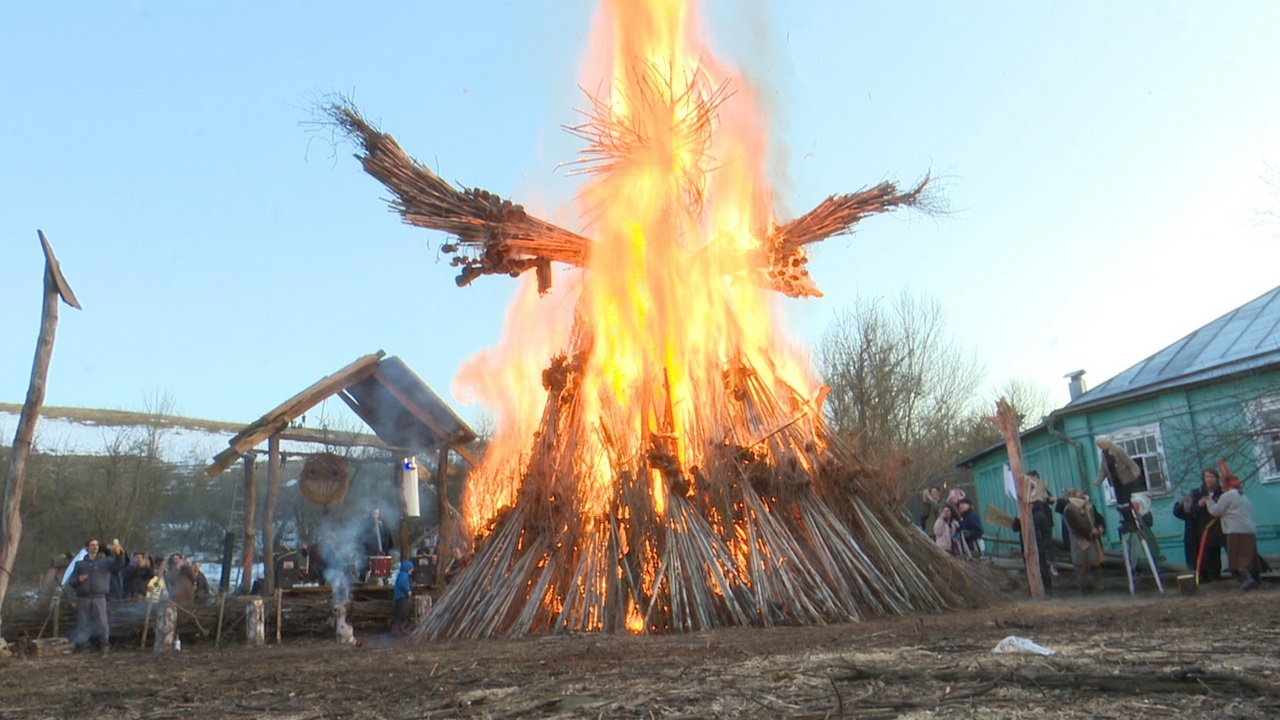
x: 954, y: 523
x: 98, y: 575
x: 1218, y: 517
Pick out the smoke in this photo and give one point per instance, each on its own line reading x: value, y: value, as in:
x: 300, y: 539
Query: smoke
x: 346, y: 537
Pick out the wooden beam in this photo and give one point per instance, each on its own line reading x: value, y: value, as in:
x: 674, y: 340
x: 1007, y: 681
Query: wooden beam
x: 339, y: 438
x: 356, y: 407
x: 279, y: 418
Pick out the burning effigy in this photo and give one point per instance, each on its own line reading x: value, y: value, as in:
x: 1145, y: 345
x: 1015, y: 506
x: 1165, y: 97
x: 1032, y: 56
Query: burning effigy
x: 664, y: 465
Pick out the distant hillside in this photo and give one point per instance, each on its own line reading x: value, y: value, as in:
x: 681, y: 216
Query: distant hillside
x: 125, y: 418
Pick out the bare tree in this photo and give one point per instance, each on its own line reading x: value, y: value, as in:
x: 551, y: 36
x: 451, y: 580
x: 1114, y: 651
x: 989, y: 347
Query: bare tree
x: 900, y: 384
x: 1029, y: 401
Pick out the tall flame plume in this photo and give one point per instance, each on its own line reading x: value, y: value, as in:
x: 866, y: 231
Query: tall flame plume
x: 669, y: 469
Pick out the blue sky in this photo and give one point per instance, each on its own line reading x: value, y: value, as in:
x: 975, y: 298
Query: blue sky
x: 1102, y: 161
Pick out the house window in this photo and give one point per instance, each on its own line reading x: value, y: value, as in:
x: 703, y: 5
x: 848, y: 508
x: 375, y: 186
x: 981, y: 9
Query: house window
x: 1143, y: 444
x: 1264, y: 428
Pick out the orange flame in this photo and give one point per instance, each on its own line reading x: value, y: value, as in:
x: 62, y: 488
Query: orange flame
x: 677, y: 204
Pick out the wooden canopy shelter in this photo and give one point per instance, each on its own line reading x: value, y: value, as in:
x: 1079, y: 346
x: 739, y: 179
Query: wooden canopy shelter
x: 406, y: 416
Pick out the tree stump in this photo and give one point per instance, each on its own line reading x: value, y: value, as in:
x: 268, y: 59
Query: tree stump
x: 421, y: 607
x: 1187, y: 585
x: 255, y: 622
x: 166, y: 627
x: 343, y: 631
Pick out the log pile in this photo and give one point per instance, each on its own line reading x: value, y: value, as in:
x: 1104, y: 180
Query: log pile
x: 301, y: 615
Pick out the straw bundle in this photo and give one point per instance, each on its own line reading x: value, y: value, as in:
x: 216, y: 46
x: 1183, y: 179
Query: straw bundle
x: 787, y: 272
x: 493, y: 235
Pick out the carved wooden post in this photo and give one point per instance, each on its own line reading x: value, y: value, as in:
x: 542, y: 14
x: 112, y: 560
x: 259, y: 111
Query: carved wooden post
x: 1006, y: 418
x: 55, y: 286
x: 255, y: 622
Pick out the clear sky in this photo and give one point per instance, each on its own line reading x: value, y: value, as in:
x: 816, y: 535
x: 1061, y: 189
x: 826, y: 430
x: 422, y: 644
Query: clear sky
x: 1104, y: 164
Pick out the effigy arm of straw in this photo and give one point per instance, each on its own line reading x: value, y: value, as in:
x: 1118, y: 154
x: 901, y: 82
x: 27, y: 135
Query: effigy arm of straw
x: 494, y: 236
x: 788, y: 272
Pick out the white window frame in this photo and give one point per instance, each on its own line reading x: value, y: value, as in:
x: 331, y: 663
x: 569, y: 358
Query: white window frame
x: 1124, y: 437
x: 1265, y: 437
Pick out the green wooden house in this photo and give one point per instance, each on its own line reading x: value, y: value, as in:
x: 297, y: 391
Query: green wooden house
x: 1213, y: 394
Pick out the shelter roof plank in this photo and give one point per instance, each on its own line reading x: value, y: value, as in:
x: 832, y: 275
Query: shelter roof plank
x: 403, y: 412
x: 279, y: 418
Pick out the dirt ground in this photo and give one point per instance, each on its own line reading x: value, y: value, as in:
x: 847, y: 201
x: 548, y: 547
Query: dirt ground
x: 1212, y: 655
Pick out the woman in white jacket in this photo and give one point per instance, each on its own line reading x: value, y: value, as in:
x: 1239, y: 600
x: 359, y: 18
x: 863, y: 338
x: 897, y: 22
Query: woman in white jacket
x: 1236, y: 513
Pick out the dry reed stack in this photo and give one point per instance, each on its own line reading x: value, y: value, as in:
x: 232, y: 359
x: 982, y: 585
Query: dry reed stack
x: 772, y: 526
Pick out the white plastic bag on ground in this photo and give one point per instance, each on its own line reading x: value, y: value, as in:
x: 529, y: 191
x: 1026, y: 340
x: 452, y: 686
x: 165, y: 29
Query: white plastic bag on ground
x: 1020, y: 645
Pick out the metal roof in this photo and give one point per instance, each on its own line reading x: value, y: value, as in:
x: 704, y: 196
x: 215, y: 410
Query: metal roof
x: 1245, y: 339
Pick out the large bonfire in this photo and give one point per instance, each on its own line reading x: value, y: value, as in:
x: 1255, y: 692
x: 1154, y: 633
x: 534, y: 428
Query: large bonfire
x: 671, y: 471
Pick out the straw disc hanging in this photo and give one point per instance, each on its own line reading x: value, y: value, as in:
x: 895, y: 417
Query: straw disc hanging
x: 324, y: 479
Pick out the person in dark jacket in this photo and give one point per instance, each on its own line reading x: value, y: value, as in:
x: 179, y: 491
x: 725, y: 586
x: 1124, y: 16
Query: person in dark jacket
x: 1085, y: 526
x: 401, y: 593
x: 1192, y: 511
x: 203, y: 593
x: 135, y: 577
x: 91, y: 580
x: 971, y: 530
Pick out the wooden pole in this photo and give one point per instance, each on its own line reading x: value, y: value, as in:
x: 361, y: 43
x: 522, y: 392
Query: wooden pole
x: 222, y: 606
x: 397, y: 478
x: 442, y: 507
x: 146, y: 624
x: 250, y: 506
x: 269, y: 514
x: 1006, y: 418
x: 279, y: 612
x: 55, y: 286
